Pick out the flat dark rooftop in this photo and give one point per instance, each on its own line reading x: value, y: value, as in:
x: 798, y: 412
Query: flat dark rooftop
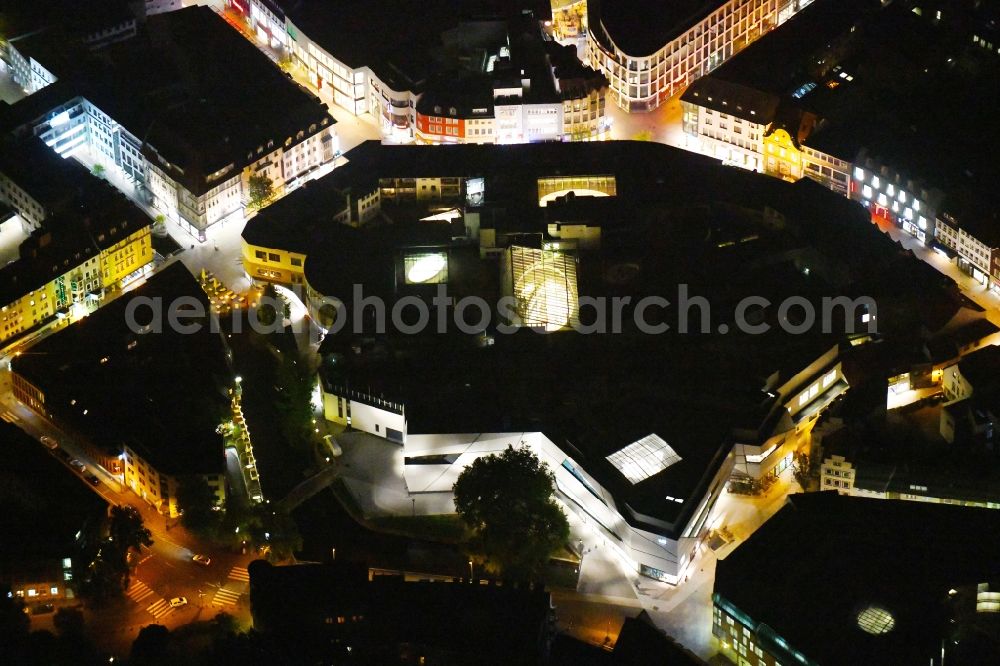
x: 79, y: 15
x: 94, y: 218
x: 511, y: 173
x: 778, y: 62
x: 679, y: 217
x: 200, y: 108
x: 828, y: 558
x: 159, y: 393
x: 850, y: 62
x: 38, y: 170
x: 492, y: 624
x: 642, y: 27
x: 45, y: 504
x: 343, y: 29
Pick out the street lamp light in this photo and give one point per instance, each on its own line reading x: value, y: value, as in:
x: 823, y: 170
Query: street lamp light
x: 470, y: 571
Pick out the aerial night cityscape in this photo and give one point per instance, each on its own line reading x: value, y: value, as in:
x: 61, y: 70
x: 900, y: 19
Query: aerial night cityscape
x: 460, y: 332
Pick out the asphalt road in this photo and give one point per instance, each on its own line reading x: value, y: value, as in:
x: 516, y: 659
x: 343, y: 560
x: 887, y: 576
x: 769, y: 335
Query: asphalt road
x: 163, y: 571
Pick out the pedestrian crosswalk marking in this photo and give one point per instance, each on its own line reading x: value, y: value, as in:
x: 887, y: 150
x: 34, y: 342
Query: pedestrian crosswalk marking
x: 240, y: 573
x: 160, y: 609
x: 138, y: 591
x: 226, y: 597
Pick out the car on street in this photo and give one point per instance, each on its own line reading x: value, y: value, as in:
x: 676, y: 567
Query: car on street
x: 63, y: 455
x: 77, y: 465
x: 203, y: 560
x: 49, y: 442
x: 93, y: 480
x: 177, y: 602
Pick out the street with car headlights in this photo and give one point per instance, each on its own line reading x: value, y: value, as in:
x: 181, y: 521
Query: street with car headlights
x: 160, y: 573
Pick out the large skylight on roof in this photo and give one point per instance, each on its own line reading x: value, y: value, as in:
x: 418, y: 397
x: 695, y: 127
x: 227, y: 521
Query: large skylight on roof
x: 644, y: 458
x: 876, y: 621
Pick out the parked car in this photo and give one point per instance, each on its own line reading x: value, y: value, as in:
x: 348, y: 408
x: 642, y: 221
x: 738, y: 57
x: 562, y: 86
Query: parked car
x: 43, y: 609
x: 77, y: 465
x: 49, y: 442
x: 203, y: 560
x: 177, y: 602
x: 63, y: 455
x: 94, y: 481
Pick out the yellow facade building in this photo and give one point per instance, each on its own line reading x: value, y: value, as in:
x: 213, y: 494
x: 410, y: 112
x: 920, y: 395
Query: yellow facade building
x: 273, y: 265
x: 67, y: 268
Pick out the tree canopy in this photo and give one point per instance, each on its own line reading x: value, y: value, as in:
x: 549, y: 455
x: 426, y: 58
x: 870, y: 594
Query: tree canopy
x: 261, y: 191
x: 507, y: 500
x: 197, y: 502
x: 102, y: 569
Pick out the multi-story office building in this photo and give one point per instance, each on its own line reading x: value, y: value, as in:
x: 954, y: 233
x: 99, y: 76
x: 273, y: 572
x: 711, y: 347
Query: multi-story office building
x: 204, y: 138
x: 651, y: 52
x: 529, y: 89
x: 37, y: 183
x: 266, y: 18
x: 155, y: 418
x: 57, y: 28
x: 25, y: 57
x: 352, y: 71
x: 525, y: 88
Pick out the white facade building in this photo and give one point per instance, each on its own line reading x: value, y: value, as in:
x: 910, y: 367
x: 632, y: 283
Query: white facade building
x: 728, y: 138
x: 446, y: 455
x: 641, y: 82
x: 25, y: 70
x: 433, y: 462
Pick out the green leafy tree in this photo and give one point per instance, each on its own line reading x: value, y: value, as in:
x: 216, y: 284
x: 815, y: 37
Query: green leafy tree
x: 261, y: 191
x: 197, y: 502
x: 160, y: 225
x: 127, y: 530
x: 68, y: 622
x: 270, y: 531
x: 267, y: 310
x: 801, y: 468
x: 98, y: 170
x: 151, y: 646
x: 327, y: 315
x: 295, y: 379
x: 100, y: 576
x: 126, y: 534
x: 224, y: 623
x: 506, y: 500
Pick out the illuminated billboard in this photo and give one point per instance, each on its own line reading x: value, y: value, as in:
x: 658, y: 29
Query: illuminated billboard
x: 475, y: 191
